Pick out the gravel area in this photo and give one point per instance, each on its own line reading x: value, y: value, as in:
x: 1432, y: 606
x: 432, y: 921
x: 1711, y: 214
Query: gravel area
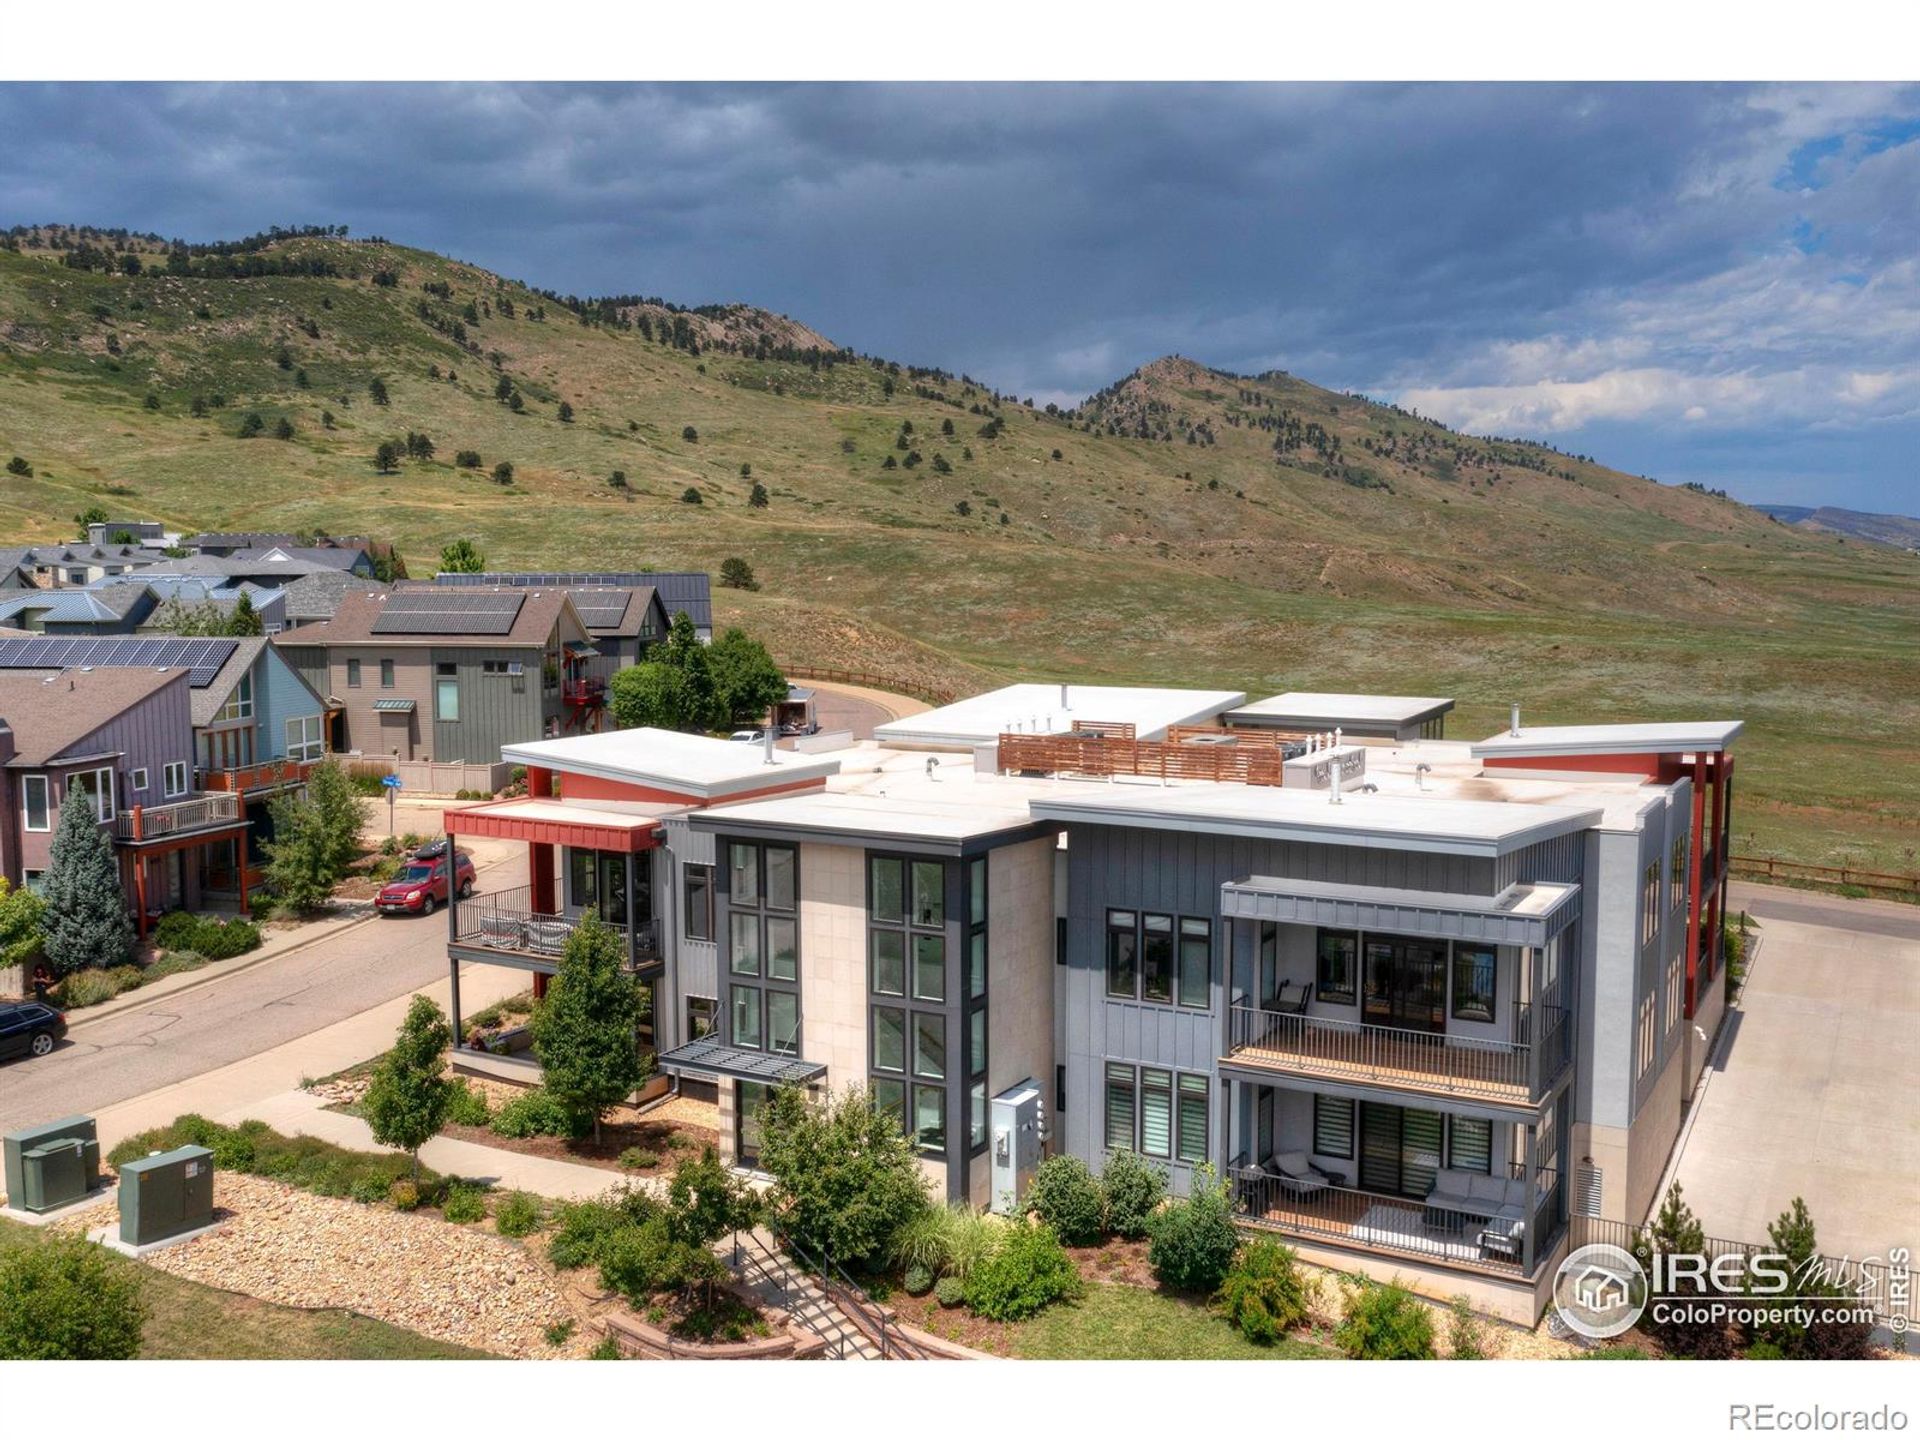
x: 451, y: 1282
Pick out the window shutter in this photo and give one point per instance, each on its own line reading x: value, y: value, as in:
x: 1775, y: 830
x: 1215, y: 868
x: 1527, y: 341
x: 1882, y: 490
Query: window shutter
x: 1156, y: 1113
x: 1193, y: 1119
x: 1120, y: 1107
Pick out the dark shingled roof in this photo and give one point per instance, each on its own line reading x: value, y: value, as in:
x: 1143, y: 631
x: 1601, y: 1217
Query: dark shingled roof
x: 51, y: 711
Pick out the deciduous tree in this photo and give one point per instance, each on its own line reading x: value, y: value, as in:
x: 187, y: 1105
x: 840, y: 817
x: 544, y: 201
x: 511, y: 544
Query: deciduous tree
x: 586, y: 1032
x: 406, y: 1103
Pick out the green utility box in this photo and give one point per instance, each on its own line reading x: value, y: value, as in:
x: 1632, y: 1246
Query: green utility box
x: 166, y: 1195
x: 51, y: 1165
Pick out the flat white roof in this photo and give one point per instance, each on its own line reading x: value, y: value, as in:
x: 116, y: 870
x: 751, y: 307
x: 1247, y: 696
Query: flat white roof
x: 573, y: 812
x: 1377, y: 821
x: 915, y: 817
x: 668, y: 760
x: 1039, y: 710
x: 1656, y: 739
x: 1323, y: 707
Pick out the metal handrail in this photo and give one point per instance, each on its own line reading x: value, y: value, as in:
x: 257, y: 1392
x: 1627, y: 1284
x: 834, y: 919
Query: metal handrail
x: 180, y: 817
x: 881, y: 1324
x: 506, y: 920
x: 1328, y: 1045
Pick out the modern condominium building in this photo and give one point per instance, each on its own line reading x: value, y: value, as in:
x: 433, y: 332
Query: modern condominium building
x: 1419, y: 1000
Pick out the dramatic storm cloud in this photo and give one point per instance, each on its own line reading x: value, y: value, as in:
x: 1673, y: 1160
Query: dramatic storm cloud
x: 1700, y: 283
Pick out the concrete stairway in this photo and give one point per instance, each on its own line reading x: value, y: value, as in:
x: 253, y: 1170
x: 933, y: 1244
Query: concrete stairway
x: 771, y: 1277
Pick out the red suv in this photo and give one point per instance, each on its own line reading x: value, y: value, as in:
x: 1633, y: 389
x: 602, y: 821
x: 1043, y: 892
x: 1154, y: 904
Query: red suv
x: 421, y: 885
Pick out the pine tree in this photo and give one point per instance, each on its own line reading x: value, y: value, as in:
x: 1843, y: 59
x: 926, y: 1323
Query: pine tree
x: 406, y: 1103
x: 245, y: 620
x: 586, y: 1032
x: 377, y: 388
x: 566, y: 413
x: 757, y: 497
x: 85, y: 921
x: 462, y: 557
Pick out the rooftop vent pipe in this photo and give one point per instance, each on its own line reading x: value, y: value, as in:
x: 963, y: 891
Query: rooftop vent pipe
x: 1420, y: 775
x: 1063, y: 696
x: 1333, y: 781
x: 1513, y: 721
x: 766, y: 738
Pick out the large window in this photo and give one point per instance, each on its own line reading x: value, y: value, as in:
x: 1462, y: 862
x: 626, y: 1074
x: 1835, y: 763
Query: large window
x: 1650, y: 903
x: 746, y: 1017
x: 977, y: 928
x: 97, y: 786
x: 1336, y: 968
x: 306, y: 737
x: 173, y: 778
x: 702, y: 1012
x: 889, y: 1039
x: 239, y: 704
x: 763, y: 943
x: 1161, y: 1113
x: 1159, y: 959
x: 916, y: 1052
x: 699, y: 902
x: 34, y: 803
x: 1469, y: 1144
x: 783, y: 1022
x: 1677, y: 872
x: 446, y: 692
x: 1474, y: 971
x: 353, y: 674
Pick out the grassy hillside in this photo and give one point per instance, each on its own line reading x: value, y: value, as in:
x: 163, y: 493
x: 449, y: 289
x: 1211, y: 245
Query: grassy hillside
x: 1184, y: 526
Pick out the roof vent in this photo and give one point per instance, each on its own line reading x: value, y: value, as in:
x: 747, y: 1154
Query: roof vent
x: 1063, y: 697
x: 1513, y: 719
x: 1333, y: 782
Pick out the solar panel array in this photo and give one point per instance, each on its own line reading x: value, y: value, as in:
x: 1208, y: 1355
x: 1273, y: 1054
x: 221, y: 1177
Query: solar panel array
x: 447, y: 612
x: 600, y: 609
x: 688, y: 590
x: 201, y: 655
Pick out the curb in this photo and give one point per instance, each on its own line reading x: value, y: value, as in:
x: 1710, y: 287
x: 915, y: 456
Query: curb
x: 219, y: 971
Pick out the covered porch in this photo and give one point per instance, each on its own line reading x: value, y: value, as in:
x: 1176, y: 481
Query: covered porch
x: 1463, y: 1186
x: 1418, y: 992
x: 180, y: 855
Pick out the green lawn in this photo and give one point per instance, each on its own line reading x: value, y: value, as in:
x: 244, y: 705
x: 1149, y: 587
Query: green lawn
x: 197, y: 1322
x: 1127, y: 1322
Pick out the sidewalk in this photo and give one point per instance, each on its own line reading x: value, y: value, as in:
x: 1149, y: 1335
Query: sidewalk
x: 232, y: 1088
x: 296, y: 1112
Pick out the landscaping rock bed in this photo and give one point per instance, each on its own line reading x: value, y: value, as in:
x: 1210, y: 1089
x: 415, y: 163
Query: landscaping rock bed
x: 449, y: 1282
x: 696, y: 1123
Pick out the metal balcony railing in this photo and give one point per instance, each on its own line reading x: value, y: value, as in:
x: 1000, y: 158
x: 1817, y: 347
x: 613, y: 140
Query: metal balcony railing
x: 181, y: 817
x: 506, y: 920
x: 267, y: 775
x: 1409, y: 1059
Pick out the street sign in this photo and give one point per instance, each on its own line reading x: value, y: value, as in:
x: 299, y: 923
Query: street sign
x: 392, y: 782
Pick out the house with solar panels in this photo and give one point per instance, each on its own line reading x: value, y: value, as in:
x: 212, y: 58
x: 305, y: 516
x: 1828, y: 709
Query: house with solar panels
x: 188, y: 794
x: 678, y: 590
x: 448, y: 674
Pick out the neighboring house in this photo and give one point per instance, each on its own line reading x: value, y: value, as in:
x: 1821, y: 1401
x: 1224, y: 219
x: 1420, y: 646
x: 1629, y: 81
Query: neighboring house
x: 58, y: 567
x: 316, y: 596
x: 115, y: 607
x: 195, y: 592
x: 429, y: 674
x: 1421, y: 1001
x: 351, y: 559
x: 691, y: 591
x: 142, y: 532
x: 118, y: 740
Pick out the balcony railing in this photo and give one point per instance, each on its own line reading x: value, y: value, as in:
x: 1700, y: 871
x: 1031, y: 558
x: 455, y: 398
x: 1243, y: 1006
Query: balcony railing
x: 1404, y: 1059
x: 587, y: 691
x: 183, y: 817
x: 506, y: 920
x: 267, y: 775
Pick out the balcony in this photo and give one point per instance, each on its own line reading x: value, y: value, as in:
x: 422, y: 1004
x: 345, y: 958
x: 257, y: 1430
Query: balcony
x: 1393, y: 1225
x: 1516, y: 1072
x: 587, y: 692
x: 145, y: 824
x: 267, y: 776
x: 506, y: 921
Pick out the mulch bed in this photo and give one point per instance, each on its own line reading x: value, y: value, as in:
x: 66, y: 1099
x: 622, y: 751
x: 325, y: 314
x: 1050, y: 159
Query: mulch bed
x: 622, y: 1129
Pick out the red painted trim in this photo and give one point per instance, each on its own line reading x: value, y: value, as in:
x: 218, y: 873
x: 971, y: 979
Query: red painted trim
x: 540, y: 879
x: 594, y: 787
x: 582, y: 833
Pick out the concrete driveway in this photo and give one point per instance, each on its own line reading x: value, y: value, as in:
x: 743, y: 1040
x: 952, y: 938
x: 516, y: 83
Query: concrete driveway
x: 1815, y: 1090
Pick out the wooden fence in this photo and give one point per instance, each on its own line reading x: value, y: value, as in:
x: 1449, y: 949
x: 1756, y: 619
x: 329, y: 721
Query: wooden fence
x: 431, y: 777
x: 1771, y: 867
x: 1256, y: 764
x: 872, y: 680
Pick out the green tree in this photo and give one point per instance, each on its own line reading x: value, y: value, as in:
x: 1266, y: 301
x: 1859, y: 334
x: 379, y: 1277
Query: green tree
x: 587, y: 1031
x: 65, y: 1298
x: 315, y: 837
x: 690, y: 435
x: 283, y: 429
x: 377, y: 388
x: 691, y: 496
x: 706, y: 1200
x: 757, y: 497
x: 746, y: 682
x: 654, y: 694
x: 406, y: 1103
x: 386, y: 457
x: 467, y: 459
x: 20, y: 914
x: 618, y: 479
x: 245, y: 620
x: 737, y: 574
x: 503, y: 473
x: 85, y: 921
x: 566, y: 413
x: 1817, y: 1336
x: 846, y: 1177
x: 251, y: 425
x: 1193, y: 1239
x: 18, y: 466
x: 462, y: 557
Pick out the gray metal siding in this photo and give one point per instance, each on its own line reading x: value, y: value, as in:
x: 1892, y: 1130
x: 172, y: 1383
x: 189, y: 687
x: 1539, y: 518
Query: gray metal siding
x: 492, y: 712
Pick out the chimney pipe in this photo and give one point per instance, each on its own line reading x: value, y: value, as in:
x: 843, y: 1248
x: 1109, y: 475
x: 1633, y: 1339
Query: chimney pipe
x: 1333, y: 780
x: 1063, y: 696
x: 766, y: 737
x: 1513, y: 722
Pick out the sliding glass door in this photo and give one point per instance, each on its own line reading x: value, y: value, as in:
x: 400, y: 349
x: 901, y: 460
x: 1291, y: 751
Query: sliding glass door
x: 1399, y: 1149
x: 1407, y: 985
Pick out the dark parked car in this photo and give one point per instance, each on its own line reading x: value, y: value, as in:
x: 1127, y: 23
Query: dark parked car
x: 421, y: 885
x: 29, y: 1029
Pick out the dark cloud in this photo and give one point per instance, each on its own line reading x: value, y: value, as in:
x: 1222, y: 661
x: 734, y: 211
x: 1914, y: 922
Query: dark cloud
x: 1719, y: 282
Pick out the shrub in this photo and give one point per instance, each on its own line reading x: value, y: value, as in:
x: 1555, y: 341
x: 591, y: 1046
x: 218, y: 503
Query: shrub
x: 636, y: 1158
x: 68, y: 1299
x: 86, y: 987
x: 917, y: 1281
x: 176, y: 930
x: 539, y: 1112
x: 1024, y: 1276
x: 176, y: 962
x: 1065, y: 1195
x: 1383, y: 1322
x: 847, y: 1178
x: 607, y: 1349
x: 218, y: 941
x: 1134, y: 1188
x: 950, y: 1292
x: 559, y: 1332
x: 585, y: 1225
x: 947, y: 1242
x: 466, y: 1105
x: 517, y: 1214
x: 369, y: 1189
x: 1466, y: 1337
x: 1193, y: 1239
x: 464, y: 1205
x: 639, y: 1261
x: 1264, y: 1294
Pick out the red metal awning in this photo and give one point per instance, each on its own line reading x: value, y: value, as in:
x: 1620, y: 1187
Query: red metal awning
x: 555, y: 822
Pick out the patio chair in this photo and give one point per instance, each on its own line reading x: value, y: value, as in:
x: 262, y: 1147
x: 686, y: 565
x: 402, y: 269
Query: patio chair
x: 1295, y: 1174
x: 1505, y: 1233
x: 503, y: 932
x: 547, y: 937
